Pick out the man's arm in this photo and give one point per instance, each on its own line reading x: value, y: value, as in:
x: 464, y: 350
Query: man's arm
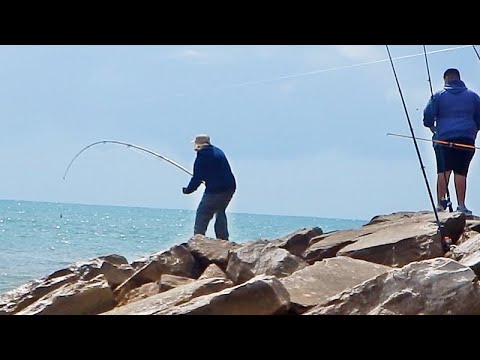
x: 197, y: 177
x: 429, y: 115
x: 476, y: 115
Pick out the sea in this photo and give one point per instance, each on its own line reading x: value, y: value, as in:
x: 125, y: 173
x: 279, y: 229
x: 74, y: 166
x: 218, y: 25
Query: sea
x: 38, y: 238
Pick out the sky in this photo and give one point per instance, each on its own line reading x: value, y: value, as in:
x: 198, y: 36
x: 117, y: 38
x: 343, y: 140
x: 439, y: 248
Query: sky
x: 304, y: 126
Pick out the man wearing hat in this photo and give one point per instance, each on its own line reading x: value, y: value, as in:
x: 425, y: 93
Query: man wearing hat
x: 211, y: 167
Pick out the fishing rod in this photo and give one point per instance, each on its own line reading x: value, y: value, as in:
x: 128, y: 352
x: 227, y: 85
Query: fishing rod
x: 476, y: 52
x: 439, y: 224
x: 447, y: 202
x: 130, y: 146
x: 441, y: 142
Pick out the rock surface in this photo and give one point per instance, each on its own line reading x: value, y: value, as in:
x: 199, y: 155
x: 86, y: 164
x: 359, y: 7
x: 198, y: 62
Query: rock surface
x: 393, y: 265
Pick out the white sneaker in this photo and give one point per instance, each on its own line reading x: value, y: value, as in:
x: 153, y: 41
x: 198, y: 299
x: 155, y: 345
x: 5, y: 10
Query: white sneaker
x: 464, y: 210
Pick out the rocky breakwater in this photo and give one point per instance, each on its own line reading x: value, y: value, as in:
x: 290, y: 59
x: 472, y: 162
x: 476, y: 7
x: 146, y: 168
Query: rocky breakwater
x: 395, y: 264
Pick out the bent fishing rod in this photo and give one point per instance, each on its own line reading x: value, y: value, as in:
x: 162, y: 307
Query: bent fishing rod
x: 448, y: 202
x: 442, y: 142
x: 439, y: 224
x: 130, y: 146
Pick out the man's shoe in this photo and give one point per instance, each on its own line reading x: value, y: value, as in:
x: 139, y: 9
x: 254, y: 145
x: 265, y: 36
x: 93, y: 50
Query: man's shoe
x: 464, y: 210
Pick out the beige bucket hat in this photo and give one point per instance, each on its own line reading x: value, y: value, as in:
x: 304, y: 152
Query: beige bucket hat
x: 201, y: 141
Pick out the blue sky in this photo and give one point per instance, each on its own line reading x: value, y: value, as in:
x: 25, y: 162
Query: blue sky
x: 304, y: 127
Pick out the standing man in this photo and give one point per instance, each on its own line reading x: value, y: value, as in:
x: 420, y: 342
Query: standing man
x: 453, y: 115
x: 211, y: 166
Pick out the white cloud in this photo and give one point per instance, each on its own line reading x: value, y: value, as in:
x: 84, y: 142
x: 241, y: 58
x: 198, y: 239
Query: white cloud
x: 268, y: 51
x: 362, y: 52
x: 191, y: 54
x: 213, y: 54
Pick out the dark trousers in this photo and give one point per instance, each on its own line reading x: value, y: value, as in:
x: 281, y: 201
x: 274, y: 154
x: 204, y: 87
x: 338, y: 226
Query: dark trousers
x: 456, y: 159
x: 213, y: 204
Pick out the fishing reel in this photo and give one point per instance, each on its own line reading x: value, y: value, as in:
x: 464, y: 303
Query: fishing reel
x: 447, y: 243
x: 445, y: 239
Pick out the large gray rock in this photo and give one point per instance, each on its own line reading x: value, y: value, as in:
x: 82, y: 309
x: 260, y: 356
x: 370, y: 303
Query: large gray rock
x: 261, y: 258
x: 262, y: 295
x: 176, y: 261
x: 208, y: 251
x: 397, y: 216
x: 468, y: 253
x: 473, y: 262
x: 25, y: 295
x: 165, y: 300
x: 115, y: 269
x: 438, y: 286
x: 297, y: 242
x: 213, y: 271
x: 81, y: 298
x: 314, y: 284
x: 168, y: 282
x: 473, y: 224
x: 328, y: 245
x: 398, y: 244
x: 392, y: 240
x: 454, y: 224
x: 142, y: 292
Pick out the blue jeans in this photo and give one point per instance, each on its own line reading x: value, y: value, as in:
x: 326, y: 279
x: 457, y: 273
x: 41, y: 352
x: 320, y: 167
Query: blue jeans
x: 213, y: 204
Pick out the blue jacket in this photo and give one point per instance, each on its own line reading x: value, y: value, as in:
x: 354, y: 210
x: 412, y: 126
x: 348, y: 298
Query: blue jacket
x: 211, y: 166
x: 455, y: 111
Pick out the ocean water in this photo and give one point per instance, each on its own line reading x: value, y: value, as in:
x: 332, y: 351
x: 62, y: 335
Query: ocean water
x: 38, y: 238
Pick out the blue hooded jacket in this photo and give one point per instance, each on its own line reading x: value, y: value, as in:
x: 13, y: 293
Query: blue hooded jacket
x: 211, y: 166
x: 455, y: 111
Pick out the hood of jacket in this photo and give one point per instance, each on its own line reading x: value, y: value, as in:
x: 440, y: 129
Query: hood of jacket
x: 455, y: 87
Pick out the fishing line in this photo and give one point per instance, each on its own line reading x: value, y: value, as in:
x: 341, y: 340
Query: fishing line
x: 297, y: 75
x: 315, y: 72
